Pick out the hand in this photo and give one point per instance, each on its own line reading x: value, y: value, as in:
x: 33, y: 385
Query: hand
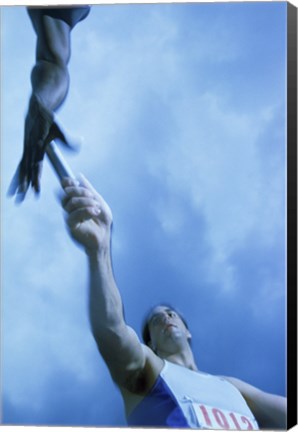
x: 89, y: 218
x: 40, y: 130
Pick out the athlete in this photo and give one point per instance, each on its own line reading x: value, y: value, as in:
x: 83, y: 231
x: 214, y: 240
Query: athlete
x: 159, y: 380
x: 50, y: 83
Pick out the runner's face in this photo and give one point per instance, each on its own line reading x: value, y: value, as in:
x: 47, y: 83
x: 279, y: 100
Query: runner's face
x: 165, y: 325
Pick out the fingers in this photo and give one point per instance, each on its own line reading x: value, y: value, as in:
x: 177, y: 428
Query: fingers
x: 71, y: 204
x: 87, y: 184
x: 36, y: 176
x: 14, y: 184
x: 77, y: 197
x: 19, y: 185
x: 82, y: 200
x: 99, y: 198
x: 37, y: 125
x: 72, y: 192
x: 81, y: 215
x: 40, y: 129
x: 80, y: 205
x: 82, y: 188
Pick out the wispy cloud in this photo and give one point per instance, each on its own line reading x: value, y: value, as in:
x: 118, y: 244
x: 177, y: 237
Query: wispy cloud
x: 216, y: 163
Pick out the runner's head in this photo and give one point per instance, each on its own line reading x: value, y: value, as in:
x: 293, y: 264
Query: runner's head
x: 160, y: 321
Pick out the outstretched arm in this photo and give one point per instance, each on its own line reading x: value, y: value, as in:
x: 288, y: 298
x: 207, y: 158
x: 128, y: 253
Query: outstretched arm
x: 270, y: 410
x: 50, y: 82
x: 89, y: 220
x: 49, y: 77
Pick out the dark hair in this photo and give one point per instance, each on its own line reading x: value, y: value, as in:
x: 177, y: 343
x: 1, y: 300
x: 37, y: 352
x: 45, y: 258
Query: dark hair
x: 145, y: 326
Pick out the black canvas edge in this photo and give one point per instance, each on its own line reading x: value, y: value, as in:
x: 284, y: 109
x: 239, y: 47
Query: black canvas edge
x: 291, y: 215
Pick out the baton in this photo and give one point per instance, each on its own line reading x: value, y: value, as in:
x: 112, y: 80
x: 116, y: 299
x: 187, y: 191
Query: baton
x: 61, y: 167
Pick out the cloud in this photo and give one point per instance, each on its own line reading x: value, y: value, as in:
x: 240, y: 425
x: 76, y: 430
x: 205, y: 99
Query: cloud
x: 215, y: 163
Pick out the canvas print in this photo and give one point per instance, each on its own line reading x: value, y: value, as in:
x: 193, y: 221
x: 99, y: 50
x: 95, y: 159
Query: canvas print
x: 146, y: 287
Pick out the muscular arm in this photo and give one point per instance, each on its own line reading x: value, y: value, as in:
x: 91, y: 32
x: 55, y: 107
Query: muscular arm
x: 50, y: 82
x: 49, y: 77
x: 117, y: 342
x: 270, y: 410
x: 89, y: 220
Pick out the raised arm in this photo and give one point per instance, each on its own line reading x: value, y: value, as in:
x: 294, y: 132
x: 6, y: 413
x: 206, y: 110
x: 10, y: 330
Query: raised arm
x: 270, y: 410
x: 50, y: 82
x: 89, y: 220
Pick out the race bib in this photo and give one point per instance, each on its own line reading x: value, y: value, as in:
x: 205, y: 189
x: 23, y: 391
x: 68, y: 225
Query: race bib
x: 215, y: 418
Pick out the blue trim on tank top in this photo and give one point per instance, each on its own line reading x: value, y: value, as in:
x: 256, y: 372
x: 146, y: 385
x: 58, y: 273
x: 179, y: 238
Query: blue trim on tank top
x: 158, y: 408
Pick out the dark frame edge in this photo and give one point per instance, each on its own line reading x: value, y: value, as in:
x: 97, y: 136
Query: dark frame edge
x: 291, y: 215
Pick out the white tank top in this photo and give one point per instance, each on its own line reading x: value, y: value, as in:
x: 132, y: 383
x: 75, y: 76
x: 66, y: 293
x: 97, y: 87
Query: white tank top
x: 207, y: 401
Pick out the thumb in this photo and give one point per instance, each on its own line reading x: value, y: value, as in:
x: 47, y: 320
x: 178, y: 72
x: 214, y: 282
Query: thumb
x: 60, y: 135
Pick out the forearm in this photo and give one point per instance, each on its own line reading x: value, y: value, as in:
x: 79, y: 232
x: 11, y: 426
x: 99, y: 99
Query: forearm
x: 105, y: 304
x: 50, y: 83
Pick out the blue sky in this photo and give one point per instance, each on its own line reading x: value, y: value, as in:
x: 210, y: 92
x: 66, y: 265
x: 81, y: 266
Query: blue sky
x: 183, y: 112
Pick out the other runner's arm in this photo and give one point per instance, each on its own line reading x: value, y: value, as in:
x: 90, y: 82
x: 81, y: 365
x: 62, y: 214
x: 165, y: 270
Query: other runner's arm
x: 50, y: 82
x: 270, y: 410
x: 89, y: 220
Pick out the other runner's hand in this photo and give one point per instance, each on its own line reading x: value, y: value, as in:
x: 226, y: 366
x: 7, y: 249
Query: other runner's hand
x: 40, y: 130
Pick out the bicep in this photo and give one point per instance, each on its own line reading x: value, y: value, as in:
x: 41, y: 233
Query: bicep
x: 123, y: 353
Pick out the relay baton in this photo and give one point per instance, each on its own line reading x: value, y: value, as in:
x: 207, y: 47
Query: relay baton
x: 59, y: 164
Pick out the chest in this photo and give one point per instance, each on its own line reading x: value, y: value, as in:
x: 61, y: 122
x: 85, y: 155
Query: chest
x: 208, y: 401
